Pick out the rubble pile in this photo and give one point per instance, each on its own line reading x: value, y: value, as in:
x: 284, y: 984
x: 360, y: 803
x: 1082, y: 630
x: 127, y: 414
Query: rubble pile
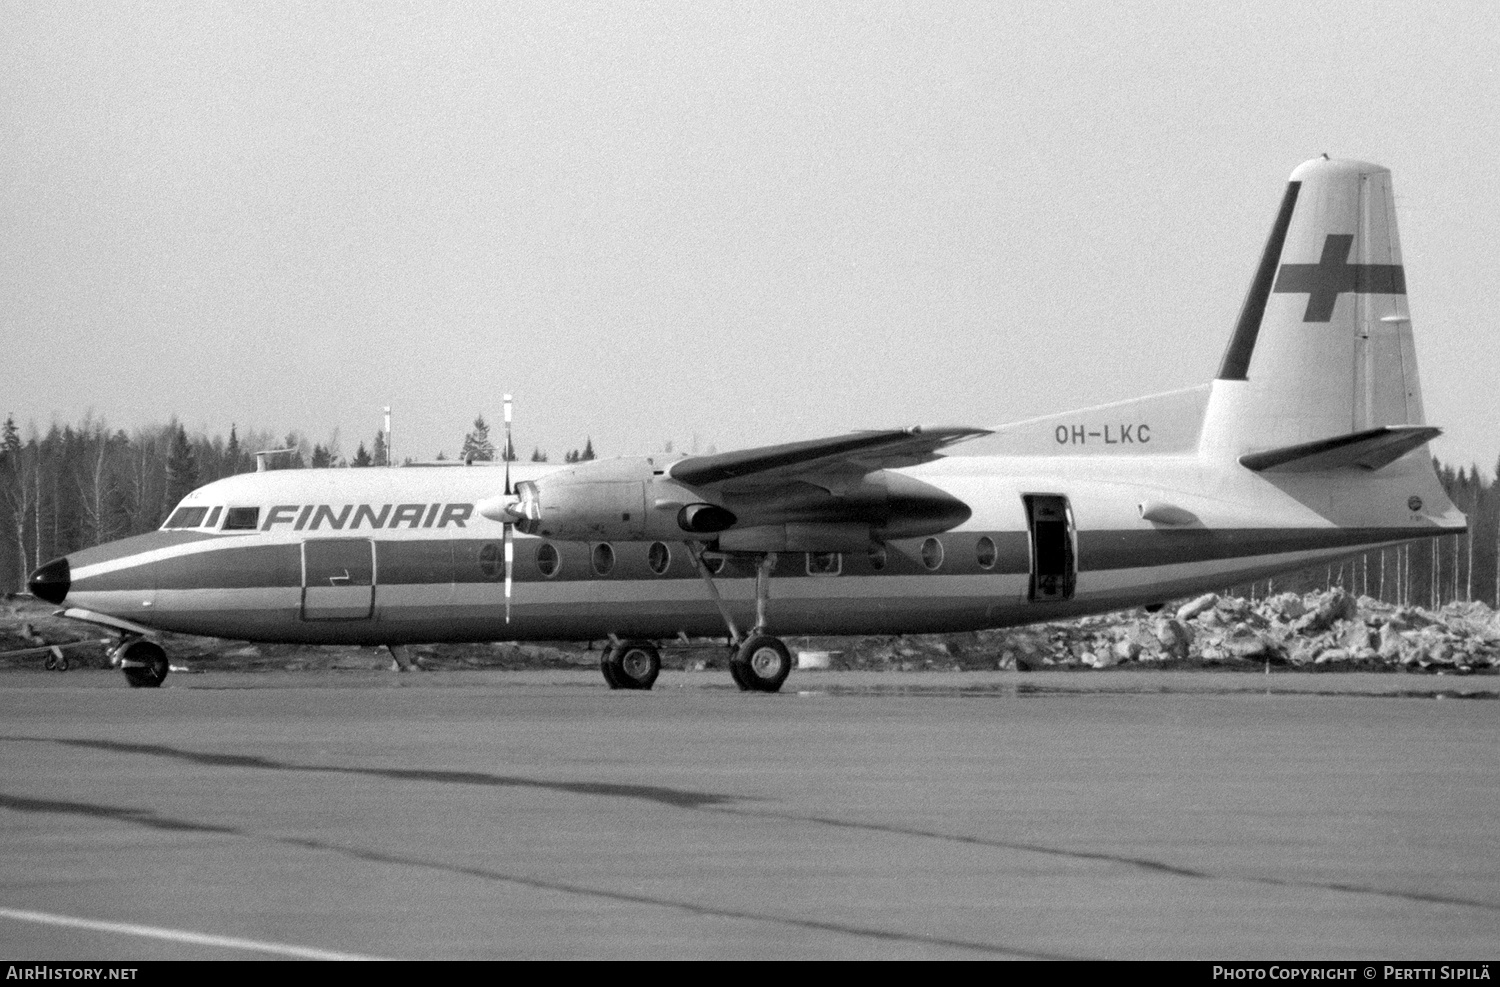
x: 1319, y: 631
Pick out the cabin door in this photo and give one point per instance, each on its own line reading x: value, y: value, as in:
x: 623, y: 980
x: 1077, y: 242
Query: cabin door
x: 1054, y: 562
x: 338, y: 578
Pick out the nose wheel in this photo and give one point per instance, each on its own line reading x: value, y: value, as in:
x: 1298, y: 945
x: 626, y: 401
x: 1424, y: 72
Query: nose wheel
x: 144, y: 664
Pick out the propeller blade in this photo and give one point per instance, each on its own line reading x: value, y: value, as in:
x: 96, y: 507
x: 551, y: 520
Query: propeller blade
x: 510, y: 561
x: 510, y: 452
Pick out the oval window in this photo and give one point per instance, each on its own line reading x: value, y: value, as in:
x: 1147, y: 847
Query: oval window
x: 658, y: 557
x: 932, y: 553
x: 878, y: 556
x: 547, y: 559
x: 984, y: 552
x: 490, y: 561
x: 604, y: 558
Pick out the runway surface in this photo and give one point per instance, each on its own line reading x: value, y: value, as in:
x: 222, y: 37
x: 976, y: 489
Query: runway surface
x: 539, y: 815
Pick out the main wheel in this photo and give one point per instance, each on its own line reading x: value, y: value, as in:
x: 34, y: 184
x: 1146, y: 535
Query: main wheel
x: 631, y: 665
x: 761, y: 664
x: 152, y: 668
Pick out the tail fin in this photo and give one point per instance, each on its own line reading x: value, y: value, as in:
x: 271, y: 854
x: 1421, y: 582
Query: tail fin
x: 1323, y: 347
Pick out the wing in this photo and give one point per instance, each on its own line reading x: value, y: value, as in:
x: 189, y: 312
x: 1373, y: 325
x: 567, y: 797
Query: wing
x: 858, y: 452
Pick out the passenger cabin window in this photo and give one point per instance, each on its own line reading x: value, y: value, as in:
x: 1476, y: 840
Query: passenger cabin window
x: 984, y: 553
x: 932, y: 554
x: 604, y: 559
x: 824, y: 563
x: 242, y: 519
x: 186, y: 517
x: 658, y: 557
x: 547, y: 559
x: 878, y: 557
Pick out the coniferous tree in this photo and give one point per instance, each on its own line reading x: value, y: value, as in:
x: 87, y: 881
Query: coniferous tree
x: 291, y: 460
x: 537, y: 455
x: 362, y: 457
x: 321, y: 458
x: 380, y: 455
x: 477, y: 445
x: 588, y: 451
x: 182, y: 468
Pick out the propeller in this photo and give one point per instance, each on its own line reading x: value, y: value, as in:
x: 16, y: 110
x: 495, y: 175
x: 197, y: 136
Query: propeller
x: 509, y: 526
x: 517, y: 507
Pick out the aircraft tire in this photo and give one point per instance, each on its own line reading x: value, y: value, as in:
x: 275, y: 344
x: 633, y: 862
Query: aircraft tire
x: 157, y: 666
x: 736, y: 674
x: 761, y: 664
x: 606, y: 669
x: 632, y: 665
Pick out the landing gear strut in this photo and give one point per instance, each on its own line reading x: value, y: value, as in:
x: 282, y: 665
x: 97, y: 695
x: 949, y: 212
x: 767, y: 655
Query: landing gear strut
x: 760, y: 662
x: 631, y: 665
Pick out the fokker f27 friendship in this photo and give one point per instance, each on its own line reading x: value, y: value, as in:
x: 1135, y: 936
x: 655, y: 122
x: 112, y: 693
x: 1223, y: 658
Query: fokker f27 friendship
x: 1308, y: 445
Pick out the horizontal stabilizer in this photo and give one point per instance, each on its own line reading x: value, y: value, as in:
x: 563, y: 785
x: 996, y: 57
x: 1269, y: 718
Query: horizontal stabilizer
x: 1367, y: 450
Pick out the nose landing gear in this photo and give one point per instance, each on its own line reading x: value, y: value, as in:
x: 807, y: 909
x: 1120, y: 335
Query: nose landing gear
x: 143, y: 662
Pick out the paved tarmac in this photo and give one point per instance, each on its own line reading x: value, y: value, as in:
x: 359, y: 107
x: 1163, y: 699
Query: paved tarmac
x: 539, y: 815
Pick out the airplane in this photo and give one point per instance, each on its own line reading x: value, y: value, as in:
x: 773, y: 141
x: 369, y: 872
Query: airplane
x: 1309, y: 444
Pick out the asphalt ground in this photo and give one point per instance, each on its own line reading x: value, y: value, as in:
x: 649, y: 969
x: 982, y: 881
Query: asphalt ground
x: 539, y: 815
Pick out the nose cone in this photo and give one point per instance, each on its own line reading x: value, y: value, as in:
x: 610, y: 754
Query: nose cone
x: 51, y: 581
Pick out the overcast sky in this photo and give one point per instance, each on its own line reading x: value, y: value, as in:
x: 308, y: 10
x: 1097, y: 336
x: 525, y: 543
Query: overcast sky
x: 744, y: 222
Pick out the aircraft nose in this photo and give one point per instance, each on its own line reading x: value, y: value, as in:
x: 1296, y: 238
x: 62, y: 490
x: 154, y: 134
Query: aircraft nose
x: 51, y: 581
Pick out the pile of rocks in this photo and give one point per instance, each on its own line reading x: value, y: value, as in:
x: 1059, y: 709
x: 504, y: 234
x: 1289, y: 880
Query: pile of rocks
x: 1327, y: 630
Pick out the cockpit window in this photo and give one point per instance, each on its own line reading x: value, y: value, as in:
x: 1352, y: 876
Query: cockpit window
x: 186, y: 517
x: 242, y: 519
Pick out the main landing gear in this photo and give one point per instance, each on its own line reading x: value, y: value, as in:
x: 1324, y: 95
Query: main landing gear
x: 631, y: 665
x: 760, y: 662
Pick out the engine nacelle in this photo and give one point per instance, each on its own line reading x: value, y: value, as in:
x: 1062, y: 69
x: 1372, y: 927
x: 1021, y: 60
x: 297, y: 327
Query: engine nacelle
x: 628, y: 499
x: 633, y: 499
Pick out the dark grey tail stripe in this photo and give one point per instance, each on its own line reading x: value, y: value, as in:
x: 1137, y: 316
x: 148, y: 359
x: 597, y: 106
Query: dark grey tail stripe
x: 1236, y: 365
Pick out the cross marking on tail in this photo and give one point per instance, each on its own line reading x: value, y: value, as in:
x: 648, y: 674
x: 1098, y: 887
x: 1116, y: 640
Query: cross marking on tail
x: 1333, y: 275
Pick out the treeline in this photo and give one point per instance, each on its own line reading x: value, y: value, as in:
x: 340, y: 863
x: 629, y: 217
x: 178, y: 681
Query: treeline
x: 82, y: 485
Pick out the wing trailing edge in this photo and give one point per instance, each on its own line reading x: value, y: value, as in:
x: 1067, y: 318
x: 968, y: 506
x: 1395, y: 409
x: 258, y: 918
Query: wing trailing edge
x: 1369, y: 450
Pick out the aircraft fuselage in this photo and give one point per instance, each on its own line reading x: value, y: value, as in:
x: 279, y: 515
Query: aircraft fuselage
x: 400, y: 556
